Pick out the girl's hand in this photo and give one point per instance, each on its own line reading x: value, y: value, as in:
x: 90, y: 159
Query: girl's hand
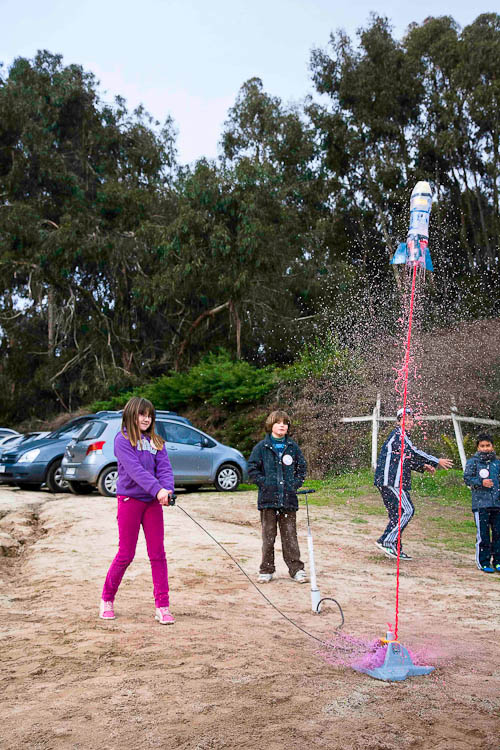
x: 164, y: 496
x: 487, y: 482
x: 431, y: 469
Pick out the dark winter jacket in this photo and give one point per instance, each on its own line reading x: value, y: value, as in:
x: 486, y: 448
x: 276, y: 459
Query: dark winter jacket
x: 483, y: 497
x: 278, y: 479
x: 388, y: 471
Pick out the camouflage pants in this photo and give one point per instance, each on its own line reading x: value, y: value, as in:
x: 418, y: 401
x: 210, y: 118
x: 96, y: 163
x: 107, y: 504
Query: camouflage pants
x: 286, y: 520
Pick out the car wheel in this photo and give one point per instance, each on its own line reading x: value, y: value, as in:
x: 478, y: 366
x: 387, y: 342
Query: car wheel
x: 79, y: 488
x: 227, y: 478
x: 55, y: 480
x: 106, y: 484
x: 24, y: 486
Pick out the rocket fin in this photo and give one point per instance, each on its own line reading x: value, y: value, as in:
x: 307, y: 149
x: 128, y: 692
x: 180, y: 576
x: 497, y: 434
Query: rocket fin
x: 428, y: 260
x: 401, y: 255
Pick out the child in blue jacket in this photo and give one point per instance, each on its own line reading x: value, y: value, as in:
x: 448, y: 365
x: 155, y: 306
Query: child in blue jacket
x: 482, y: 476
x: 278, y: 468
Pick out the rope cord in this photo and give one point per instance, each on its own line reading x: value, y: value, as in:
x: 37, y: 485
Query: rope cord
x: 299, y: 627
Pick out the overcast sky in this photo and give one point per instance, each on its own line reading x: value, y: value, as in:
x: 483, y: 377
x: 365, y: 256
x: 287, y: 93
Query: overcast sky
x: 188, y: 58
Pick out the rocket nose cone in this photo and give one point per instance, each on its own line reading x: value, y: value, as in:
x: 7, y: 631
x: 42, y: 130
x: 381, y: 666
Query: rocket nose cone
x: 422, y: 187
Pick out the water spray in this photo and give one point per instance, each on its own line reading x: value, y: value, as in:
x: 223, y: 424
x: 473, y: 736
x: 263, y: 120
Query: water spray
x: 398, y: 664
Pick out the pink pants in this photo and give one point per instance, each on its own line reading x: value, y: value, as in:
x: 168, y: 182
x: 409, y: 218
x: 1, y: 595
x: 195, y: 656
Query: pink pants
x: 131, y: 514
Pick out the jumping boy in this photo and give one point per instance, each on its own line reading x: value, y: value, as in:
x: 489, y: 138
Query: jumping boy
x: 482, y: 476
x: 278, y: 468
x: 388, y: 476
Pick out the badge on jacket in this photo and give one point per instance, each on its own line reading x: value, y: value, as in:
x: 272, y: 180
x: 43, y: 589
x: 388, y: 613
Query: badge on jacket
x: 484, y: 473
x: 287, y: 460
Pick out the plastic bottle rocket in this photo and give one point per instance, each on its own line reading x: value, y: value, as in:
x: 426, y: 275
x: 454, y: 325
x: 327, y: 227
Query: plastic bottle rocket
x: 415, y: 250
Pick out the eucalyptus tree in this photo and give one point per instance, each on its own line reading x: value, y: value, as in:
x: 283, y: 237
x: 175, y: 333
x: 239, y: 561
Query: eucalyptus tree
x: 234, y: 252
x: 364, y: 129
x: 78, y: 181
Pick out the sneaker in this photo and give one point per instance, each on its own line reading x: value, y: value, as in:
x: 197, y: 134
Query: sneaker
x: 487, y: 569
x: 390, y: 551
x: 380, y: 546
x: 497, y: 567
x: 164, y: 616
x: 265, y: 577
x: 300, y: 576
x: 404, y: 556
x: 106, y: 611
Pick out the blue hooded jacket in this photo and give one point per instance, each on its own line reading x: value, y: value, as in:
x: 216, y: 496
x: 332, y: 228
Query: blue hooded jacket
x: 483, y: 497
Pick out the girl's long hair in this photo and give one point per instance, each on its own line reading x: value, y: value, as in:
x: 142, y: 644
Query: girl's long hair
x: 130, y: 428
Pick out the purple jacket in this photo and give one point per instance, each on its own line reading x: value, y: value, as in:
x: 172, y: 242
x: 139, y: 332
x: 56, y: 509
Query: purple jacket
x: 142, y: 471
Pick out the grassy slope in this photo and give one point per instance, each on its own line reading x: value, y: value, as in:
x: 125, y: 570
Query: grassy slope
x: 442, y: 503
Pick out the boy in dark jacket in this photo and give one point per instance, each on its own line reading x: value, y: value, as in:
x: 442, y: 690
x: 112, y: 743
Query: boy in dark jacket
x: 388, y: 477
x: 482, y: 476
x: 278, y: 468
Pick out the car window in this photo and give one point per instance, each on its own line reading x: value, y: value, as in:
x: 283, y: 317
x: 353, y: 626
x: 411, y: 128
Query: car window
x: 178, y: 433
x: 70, y: 429
x: 11, y: 441
x: 92, y: 430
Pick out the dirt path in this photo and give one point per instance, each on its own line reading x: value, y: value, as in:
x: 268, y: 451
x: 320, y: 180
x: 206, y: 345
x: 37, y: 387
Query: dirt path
x: 231, y: 673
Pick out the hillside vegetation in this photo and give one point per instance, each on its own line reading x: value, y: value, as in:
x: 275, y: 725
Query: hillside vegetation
x: 230, y: 399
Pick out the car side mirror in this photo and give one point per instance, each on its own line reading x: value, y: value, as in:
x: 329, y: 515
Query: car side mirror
x: 205, y: 442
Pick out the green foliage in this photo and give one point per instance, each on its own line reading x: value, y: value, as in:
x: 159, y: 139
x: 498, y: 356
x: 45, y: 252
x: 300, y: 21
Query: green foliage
x: 444, y: 487
x: 325, y: 357
x: 452, y: 447
x: 217, y: 380
x: 118, y: 265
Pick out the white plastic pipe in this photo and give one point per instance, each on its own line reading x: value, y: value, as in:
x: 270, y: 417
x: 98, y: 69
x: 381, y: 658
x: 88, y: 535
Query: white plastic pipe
x: 315, y: 592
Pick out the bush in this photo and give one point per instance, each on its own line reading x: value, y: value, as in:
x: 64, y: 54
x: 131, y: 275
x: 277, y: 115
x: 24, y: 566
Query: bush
x: 325, y: 357
x: 217, y: 380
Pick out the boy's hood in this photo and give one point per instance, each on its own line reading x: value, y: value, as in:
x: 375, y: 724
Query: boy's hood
x: 486, y: 456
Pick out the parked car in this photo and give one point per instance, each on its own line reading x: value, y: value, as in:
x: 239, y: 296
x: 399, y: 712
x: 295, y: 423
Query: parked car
x: 6, y: 443
x: 196, y: 458
x: 38, y: 461
x: 6, y: 431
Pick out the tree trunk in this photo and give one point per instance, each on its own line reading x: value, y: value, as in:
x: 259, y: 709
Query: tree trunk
x: 195, y: 324
x: 51, y: 328
x: 237, y: 325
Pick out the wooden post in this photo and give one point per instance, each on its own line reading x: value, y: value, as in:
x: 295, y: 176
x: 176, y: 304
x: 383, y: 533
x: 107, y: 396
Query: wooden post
x: 375, y: 421
x: 458, y: 435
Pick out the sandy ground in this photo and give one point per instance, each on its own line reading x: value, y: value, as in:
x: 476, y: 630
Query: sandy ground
x: 231, y: 673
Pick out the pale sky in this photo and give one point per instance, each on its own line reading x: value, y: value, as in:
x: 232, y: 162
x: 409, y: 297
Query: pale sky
x: 188, y: 58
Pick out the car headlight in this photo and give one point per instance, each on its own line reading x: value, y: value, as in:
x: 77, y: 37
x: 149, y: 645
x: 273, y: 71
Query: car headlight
x: 29, y: 457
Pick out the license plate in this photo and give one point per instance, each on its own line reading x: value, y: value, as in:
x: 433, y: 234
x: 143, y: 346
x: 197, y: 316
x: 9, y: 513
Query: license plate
x: 69, y: 472
x: 2, y: 469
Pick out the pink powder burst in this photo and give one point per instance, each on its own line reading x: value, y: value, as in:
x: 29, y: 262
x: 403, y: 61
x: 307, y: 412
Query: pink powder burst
x: 350, y: 651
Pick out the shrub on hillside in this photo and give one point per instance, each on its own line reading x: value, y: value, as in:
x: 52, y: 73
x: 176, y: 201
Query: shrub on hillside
x: 325, y: 357
x: 217, y: 380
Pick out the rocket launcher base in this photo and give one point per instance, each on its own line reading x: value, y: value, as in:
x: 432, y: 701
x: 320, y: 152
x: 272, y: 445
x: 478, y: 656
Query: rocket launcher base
x: 397, y: 665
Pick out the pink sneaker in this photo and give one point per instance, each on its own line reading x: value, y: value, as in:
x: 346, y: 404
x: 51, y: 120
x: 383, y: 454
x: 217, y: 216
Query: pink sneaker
x: 163, y: 616
x: 106, y: 611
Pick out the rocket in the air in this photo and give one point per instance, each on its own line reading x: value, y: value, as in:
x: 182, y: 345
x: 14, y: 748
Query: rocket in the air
x: 415, y: 250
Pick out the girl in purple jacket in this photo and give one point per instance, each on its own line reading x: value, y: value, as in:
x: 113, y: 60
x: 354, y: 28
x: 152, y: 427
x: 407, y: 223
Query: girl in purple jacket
x: 145, y: 483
